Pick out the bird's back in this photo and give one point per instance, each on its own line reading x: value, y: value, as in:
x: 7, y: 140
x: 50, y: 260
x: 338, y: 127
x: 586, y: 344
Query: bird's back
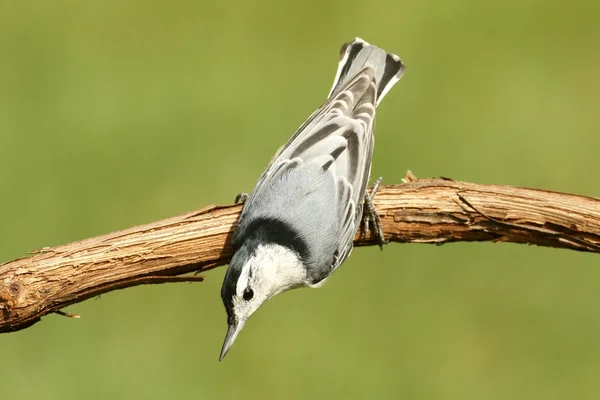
x: 311, y: 195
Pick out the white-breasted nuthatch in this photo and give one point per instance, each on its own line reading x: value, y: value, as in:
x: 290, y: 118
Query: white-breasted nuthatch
x: 298, y: 224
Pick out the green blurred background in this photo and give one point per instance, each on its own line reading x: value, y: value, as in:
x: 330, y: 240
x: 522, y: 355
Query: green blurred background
x: 113, y: 115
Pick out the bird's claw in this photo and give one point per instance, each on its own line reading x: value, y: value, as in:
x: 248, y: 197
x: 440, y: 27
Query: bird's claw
x: 370, y: 216
x: 241, y: 198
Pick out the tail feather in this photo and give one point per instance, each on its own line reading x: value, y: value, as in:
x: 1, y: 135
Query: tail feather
x: 358, y: 54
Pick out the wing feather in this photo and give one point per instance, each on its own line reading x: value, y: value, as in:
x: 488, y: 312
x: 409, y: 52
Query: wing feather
x: 338, y: 137
x: 316, y: 182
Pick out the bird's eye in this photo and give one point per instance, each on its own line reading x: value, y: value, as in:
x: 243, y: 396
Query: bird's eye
x: 248, y: 294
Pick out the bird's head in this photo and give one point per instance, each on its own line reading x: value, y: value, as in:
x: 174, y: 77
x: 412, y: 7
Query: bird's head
x: 254, y: 276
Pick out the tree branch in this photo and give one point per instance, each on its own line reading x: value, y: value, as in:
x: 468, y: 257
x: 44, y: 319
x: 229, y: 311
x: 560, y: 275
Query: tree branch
x: 420, y: 211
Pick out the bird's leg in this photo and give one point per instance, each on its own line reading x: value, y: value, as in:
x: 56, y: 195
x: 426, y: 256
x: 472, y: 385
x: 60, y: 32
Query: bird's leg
x: 370, y: 215
x: 241, y: 198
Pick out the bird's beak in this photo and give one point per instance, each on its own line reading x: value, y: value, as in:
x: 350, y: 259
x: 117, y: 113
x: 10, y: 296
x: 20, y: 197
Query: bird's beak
x: 232, y: 332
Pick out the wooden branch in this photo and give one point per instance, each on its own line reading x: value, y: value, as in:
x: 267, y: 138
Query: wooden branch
x: 420, y: 211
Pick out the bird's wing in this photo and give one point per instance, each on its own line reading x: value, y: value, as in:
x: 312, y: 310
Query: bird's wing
x: 322, y: 172
x: 338, y: 138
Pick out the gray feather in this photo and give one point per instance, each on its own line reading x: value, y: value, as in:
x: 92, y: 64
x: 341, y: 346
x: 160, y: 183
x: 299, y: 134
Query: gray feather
x: 317, y: 181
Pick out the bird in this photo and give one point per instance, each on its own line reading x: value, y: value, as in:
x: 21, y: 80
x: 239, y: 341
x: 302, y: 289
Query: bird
x: 298, y: 224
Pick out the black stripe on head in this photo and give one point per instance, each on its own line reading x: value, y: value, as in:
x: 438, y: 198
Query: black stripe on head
x: 228, y: 290
x: 245, y: 241
x: 264, y: 230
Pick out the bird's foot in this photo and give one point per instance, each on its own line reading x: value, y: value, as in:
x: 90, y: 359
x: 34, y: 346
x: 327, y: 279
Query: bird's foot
x: 241, y: 198
x: 370, y: 216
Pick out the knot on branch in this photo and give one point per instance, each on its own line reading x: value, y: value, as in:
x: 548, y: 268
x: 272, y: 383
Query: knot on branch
x: 9, y: 292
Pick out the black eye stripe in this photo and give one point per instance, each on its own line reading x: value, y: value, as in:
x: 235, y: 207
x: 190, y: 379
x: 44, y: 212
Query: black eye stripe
x: 248, y: 294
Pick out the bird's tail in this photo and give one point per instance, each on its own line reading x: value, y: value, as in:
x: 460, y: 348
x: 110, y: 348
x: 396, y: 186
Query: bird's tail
x: 356, y: 55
